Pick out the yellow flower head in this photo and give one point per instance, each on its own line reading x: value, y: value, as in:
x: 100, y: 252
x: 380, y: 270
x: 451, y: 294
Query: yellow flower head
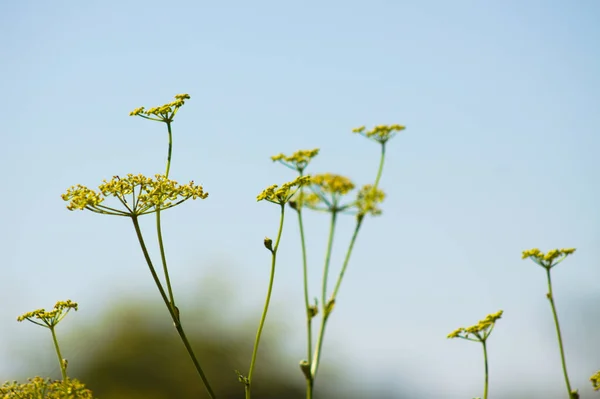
x: 298, y: 160
x: 163, y: 113
x: 333, y: 184
x: 281, y: 195
x: 52, y: 317
x: 147, y: 195
x: 327, y: 188
x: 480, y: 331
x: 38, y: 387
x: 380, y: 133
x: 548, y: 260
x: 367, y: 200
x: 596, y: 381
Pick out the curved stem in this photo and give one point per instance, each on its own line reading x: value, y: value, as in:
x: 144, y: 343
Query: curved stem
x: 172, y: 309
x: 248, y: 387
x: 63, y: 369
x: 485, y: 359
x: 560, y: 343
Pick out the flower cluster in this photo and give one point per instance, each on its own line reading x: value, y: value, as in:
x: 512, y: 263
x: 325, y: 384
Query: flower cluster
x: 549, y: 259
x: 332, y: 184
x: 596, y: 381
x: 281, y: 195
x: 52, y: 317
x: 298, y: 160
x: 481, y: 330
x: 380, y: 133
x: 367, y: 200
x: 163, y: 113
x: 157, y: 193
x: 39, y: 388
x: 327, y: 188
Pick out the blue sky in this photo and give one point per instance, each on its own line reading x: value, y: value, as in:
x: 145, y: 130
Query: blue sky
x: 500, y: 101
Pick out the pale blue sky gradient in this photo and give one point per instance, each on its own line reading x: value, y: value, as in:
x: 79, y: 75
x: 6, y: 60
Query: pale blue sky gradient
x: 501, y: 104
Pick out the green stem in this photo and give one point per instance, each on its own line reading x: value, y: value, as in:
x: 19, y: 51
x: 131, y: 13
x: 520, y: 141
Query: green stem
x: 172, y: 310
x: 248, y: 387
x: 347, y: 260
x: 485, y: 358
x: 560, y: 344
x: 309, y: 315
x: 63, y: 369
x: 163, y: 256
x: 318, y: 349
x: 170, y: 149
x: 327, y: 260
x: 380, y: 170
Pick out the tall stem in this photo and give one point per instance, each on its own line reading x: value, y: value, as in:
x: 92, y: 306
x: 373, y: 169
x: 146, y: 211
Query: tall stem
x: 380, y: 170
x: 485, y: 359
x: 318, y: 349
x: 248, y: 386
x: 347, y: 260
x: 163, y: 256
x: 309, y: 315
x: 63, y: 368
x: 560, y: 343
x: 172, y: 310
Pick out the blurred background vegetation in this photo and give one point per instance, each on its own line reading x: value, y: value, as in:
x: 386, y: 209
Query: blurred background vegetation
x: 130, y: 350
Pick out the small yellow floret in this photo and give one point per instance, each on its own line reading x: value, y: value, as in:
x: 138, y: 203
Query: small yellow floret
x: 596, y: 381
x: 480, y: 330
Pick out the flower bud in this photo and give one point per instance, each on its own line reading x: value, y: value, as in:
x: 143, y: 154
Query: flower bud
x: 269, y: 244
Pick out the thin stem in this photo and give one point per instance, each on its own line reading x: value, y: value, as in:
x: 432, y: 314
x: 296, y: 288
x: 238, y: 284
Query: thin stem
x: 327, y: 260
x: 318, y: 349
x: 347, y: 260
x: 163, y: 256
x: 380, y: 170
x: 560, y: 344
x: 170, y: 149
x: 172, y: 310
x: 485, y: 358
x: 63, y: 369
x: 248, y: 387
x: 309, y: 315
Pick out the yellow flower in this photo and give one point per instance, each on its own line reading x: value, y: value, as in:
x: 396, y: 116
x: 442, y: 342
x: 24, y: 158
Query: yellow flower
x: 52, y: 317
x: 147, y: 195
x: 596, y: 381
x: 380, y: 133
x: 39, y: 388
x: 298, y: 160
x: 333, y: 184
x: 480, y: 331
x: 163, y: 113
x: 281, y: 195
x: 548, y: 259
x: 367, y: 200
x: 327, y: 189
